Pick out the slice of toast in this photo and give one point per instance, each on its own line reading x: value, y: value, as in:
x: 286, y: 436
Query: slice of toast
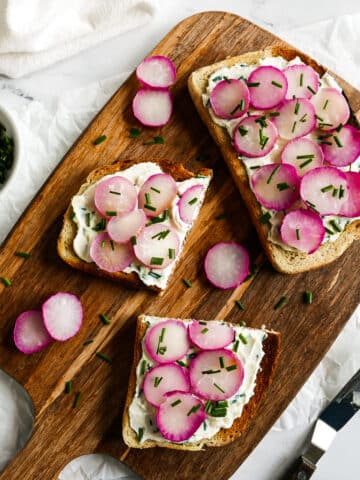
x: 271, y: 346
x: 285, y: 261
x: 69, y: 229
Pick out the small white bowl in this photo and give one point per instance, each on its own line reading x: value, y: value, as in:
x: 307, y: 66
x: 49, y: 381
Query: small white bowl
x: 13, y: 132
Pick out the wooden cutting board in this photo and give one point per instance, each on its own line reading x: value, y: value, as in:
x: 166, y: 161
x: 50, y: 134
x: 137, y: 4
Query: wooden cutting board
x: 62, y: 433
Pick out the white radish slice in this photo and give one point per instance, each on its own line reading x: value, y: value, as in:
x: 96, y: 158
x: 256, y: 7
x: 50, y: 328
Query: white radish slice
x: 331, y: 108
x: 189, y: 203
x: 341, y: 148
x: 230, y: 98
x: 30, y: 335
x: 122, y: 229
x: 63, y: 316
x: 115, y: 196
x: 157, y: 246
x: 109, y: 255
x: 227, y: 264
x: 351, y: 206
x: 216, y: 374
x: 296, y: 118
x: 210, y: 335
x: 255, y: 136
x: 157, y: 71
x: 303, y: 154
x: 302, y: 229
x: 303, y: 81
x: 180, y: 416
x: 153, y: 107
x: 324, y: 190
x: 276, y: 186
x: 167, y: 341
x: 164, y: 379
x: 157, y: 194
x: 268, y: 86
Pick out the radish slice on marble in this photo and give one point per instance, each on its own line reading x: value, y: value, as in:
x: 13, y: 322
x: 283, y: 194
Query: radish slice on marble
x: 30, y: 335
x: 122, y: 229
x: 268, y: 86
x: 164, y: 379
x: 227, y: 264
x: 276, y: 186
x: 303, y: 81
x: 167, y: 341
x: 157, y: 246
x: 255, y: 136
x: 230, y: 99
x: 210, y: 335
x: 180, y: 416
x: 341, y: 148
x: 351, y: 206
x: 303, y: 154
x: 109, y: 255
x: 115, y: 196
x: 331, y: 108
x: 63, y: 316
x: 156, y: 72
x: 157, y: 194
x: 189, y: 203
x: 302, y: 229
x: 296, y: 118
x: 153, y: 106
x: 216, y: 374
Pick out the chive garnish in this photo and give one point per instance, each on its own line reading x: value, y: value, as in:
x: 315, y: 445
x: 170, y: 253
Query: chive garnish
x: 243, y: 338
x: 240, y: 106
x: 202, y: 323
x: 114, y: 193
x: 103, y: 357
x: 253, y: 84
x: 325, y: 143
x: 105, y: 320
x: 134, y: 132
x: 239, y: 305
x: 303, y: 118
x: 147, y: 199
x: 112, y: 245
x: 280, y: 303
x: 171, y: 253
x: 194, y: 200
x: 187, y: 282
x: 311, y: 205
x: 100, y: 139
x: 87, y: 219
x: 298, y: 234
x: 242, y: 130
x: 242, y: 323
x: 325, y: 125
x: 277, y: 84
x: 339, y: 127
x: 155, y: 189
x: 297, y: 106
x: 208, y: 406
x: 335, y: 191
x: 327, y: 188
x: 72, y: 215
x: 230, y: 368
x: 301, y: 79
x: 216, y: 79
x: 88, y: 342
x: 111, y: 214
x: 100, y: 226
x: 161, y: 235
x: 181, y: 363
x: 219, y: 388
x: 157, y: 381
x: 177, y: 402
x: 157, y: 141
x: 293, y: 127
x: 341, y: 191
x: 274, y: 114
x: 319, y: 118
x: 161, y: 350
x: 133, y: 240
x: 311, y: 89
x: 194, y: 409
x: 226, y: 79
x: 140, y: 434
x: 150, y: 207
x: 330, y: 232
x: 209, y: 372
x: 262, y: 121
x: 23, y: 255
x: 254, y: 167
x: 218, y: 412
x: 236, y: 346
x: 154, y: 274
x: 156, y: 261
x: 282, y: 186
x: 302, y: 165
x: 310, y: 155
x: 265, y: 218
x: 143, y: 367
x: 204, y: 330
x: 272, y: 174
x: 325, y: 104
x: 337, y: 141
x: 308, y: 297
x: 335, y: 226
x: 6, y: 281
x: 103, y: 243
x: 76, y: 399
x: 221, y: 361
x: 68, y: 387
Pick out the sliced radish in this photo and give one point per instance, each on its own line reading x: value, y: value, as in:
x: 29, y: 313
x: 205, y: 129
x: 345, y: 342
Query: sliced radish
x: 351, y: 206
x: 341, y: 148
x: 157, y: 246
x: 30, y: 335
x: 216, y: 375
x: 180, y: 416
x: 157, y: 194
x: 63, y: 316
x: 331, y: 108
x: 109, y: 255
x: 210, y: 335
x: 303, y: 81
x: 276, y: 186
x: 255, y: 136
x: 302, y: 229
x: 296, y: 118
x: 164, y: 379
x: 153, y: 107
x: 303, y: 154
x: 268, y: 86
x: 167, y: 341
x: 189, y: 203
x: 122, y: 229
x: 115, y: 196
x: 227, y: 265
x: 156, y: 71
x: 230, y: 98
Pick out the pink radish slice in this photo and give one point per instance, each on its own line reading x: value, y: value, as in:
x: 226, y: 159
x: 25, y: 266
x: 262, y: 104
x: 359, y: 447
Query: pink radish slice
x: 227, y: 265
x: 157, y: 194
x: 344, y: 146
x: 303, y: 81
x: 212, y: 381
x: 276, y: 186
x: 156, y: 72
x: 351, y: 207
x: 331, y: 108
x: 302, y: 229
x: 230, y: 98
x: 167, y: 341
x: 63, y: 316
x: 157, y: 246
x: 164, y: 379
x: 210, y: 335
x: 121, y: 229
x: 109, y: 255
x: 30, y: 335
x: 268, y: 86
x: 115, y: 196
x: 320, y: 189
x: 255, y: 136
x: 180, y: 416
x: 303, y: 154
x: 189, y: 203
x: 296, y: 119
x: 153, y: 107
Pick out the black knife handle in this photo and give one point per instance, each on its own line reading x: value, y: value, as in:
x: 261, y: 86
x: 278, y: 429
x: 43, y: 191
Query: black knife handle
x: 302, y: 469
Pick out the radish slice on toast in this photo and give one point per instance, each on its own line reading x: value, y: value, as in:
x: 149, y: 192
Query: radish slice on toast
x: 351, y: 206
x: 303, y: 81
x: 109, y: 255
x: 210, y: 335
x: 331, y: 108
x: 167, y: 341
x: 156, y: 72
x: 63, y: 316
x: 115, y: 196
x: 302, y: 229
x: 157, y: 194
x: 230, y: 99
x: 341, y: 148
x: 153, y: 107
x: 255, y: 136
x: 157, y: 246
x: 30, y: 335
x: 296, y: 118
x: 164, y: 379
x: 268, y: 86
x: 303, y: 154
x: 122, y: 229
x: 189, y: 203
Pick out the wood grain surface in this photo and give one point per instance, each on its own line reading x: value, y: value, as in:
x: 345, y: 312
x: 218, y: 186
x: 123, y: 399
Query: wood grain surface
x: 61, y: 433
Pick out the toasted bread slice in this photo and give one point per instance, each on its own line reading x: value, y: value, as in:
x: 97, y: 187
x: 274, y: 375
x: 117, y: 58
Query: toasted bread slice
x: 285, y: 261
x: 271, y: 347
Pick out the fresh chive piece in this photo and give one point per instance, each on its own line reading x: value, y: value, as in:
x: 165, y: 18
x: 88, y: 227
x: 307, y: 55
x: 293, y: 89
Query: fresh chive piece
x: 210, y: 372
x: 254, y: 167
x: 192, y: 201
x: 155, y: 189
x: 309, y: 155
x: 219, y: 388
x: 293, y: 127
x: 327, y: 135
x: 156, y: 261
x: 253, y: 84
x: 303, y: 118
x: 105, y: 320
x: 218, y: 412
x: 171, y: 253
x: 274, y: 114
x: 100, y: 226
x: 221, y: 361
x: 339, y: 127
x: 140, y: 434
x: 302, y: 165
x: 236, y: 346
x: 222, y: 403
x: 280, y: 303
x: 76, y: 399
x: 308, y: 297
x: 265, y: 140
x: 277, y: 84
x: 103, y: 243
x: 157, y: 141
x: 323, y: 124
x: 114, y: 193
x: 230, y: 368
x: 100, y: 139
x: 154, y: 274
x: 327, y: 188
x: 242, y: 323
x: 319, y: 118
x: 297, y: 107
x: 157, y: 381
x: 216, y: 79
x: 143, y: 367
x: 103, y: 357
x: 243, y: 338
x: 111, y: 214
x: 335, y: 226
x: 88, y: 342
x: 68, y: 387
x: 242, y: 130
x: 162, y: 334
x: 312, y: 206
x: 239, y: 305
x: 177, y: 402
x: 301, y: 79
x: 72, y: 215
x: 282, y: 186
x: 202, y: 323
x: 272, y: 174
x: 181, y: 363
x: 133, y: 240
x: 262, y: 121
x: 226, y: 79
x: 161, y: 235
x: 204, y: 330
x: 147, y: 199
x: 337, y: 141
x: 240, y: 106
x: 265, y: 218
x: 134, y: 132
x: 311, y: 89
x: 298, y: 234
x: 87, y: 219
x: 330, y: 232
x: 221, y: 216
x: 341, y: 191
x: 208, y: 406
x: 187, y: 282
x: 6, y: 281
x: 150, y: 207
x: 194, y: 409
x: 164, y: 217
x: 335, y: 191
x: 325, y: 104
x: 112, y: 245
x: 23, y: 255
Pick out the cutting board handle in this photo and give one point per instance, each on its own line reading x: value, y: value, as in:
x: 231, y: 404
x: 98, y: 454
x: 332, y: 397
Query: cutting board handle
x: 302, y: 469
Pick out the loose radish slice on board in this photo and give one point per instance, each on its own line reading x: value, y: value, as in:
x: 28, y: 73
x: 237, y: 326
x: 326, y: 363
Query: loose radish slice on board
x: 303, y: 81
x: 268, y: 86
x: 157, y: 246
x: 109, y: 255
x: 230, y: 99
x: 341, y: 148
x: 189, y: 203
x: 351, y: 206
x: 255, y: 136
x: 164, y: 379
x: 115, y: 196
x: 153, y: 107
x: 296, y: 119
x: 180, y: 416
x: 167, y: 341
x: 302, y: 229
x: 303, y: 154
x: 227, y: 265
x: 30, y: 335
x: 212, y: 381
x: 276, y: 186
x: 156, y: 72
x: 210, y: 335
x: 63, y: 316
x: 331, y: 108
x: 157, y: 193
x: 122, y: 229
